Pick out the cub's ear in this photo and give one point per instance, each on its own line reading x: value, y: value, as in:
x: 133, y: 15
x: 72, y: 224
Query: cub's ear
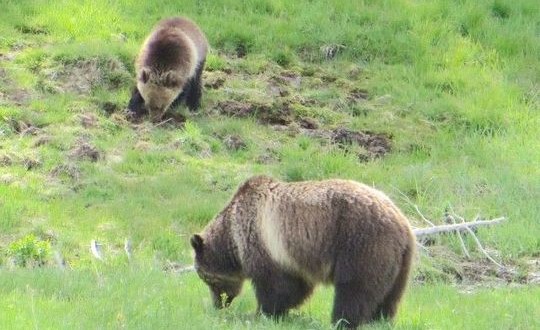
x: 144, y: 76
x: 197, y: 243
x: 171, y: 79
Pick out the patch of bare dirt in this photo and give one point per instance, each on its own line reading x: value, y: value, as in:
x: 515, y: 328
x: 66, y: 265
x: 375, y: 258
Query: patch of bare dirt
x: 376, y: 144
x: 84, y: 150
x: 289, y: 78
x: 331, y: 50
x: 31, y: 163
x: 81, y: 76
x: 109, y: 107
x: 6, y: 160
x: 88, y: 120
x: 277, y: 90
x: 12, y: 94
x: 24, y: 128
x: 68, y: 170
x: 234, y: 108
x: 278, y: 113
x: 308, y: 123
x: 7, y: 57
x: 358, y: 95
x: 37, y: 29
x: 234, y: 142
x: 7, y: 179
x: 269, y: 156
x: 214, y: 79
x: 485, y: 271
x: 534, y: 271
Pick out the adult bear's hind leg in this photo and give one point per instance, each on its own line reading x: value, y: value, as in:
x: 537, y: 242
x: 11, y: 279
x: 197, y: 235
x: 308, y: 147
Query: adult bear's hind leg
x: 354, y: 304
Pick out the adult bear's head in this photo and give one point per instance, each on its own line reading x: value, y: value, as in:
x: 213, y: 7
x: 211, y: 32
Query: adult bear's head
x: 215, y: 268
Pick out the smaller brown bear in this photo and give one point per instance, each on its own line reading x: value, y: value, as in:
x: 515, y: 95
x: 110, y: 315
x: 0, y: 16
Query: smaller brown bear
x: 169, y: 68
x: 288, y: 237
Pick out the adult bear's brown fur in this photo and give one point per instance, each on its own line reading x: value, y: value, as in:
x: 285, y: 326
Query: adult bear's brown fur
x: 169, y: 68
x: 287, y: 237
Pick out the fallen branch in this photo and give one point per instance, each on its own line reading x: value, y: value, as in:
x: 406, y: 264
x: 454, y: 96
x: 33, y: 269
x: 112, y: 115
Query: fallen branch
x: 478, y: 244
x: 461, y: 241
x: 187, y: 269
x: 464, y: 226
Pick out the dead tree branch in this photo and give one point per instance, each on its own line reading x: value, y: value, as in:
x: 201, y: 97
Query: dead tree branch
x: 464, y: 226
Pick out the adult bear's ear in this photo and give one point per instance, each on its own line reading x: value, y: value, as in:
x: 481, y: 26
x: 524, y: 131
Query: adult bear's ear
x: 197, y: 243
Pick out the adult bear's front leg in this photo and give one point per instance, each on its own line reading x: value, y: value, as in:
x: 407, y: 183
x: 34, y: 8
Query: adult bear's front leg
x: 277, y: 292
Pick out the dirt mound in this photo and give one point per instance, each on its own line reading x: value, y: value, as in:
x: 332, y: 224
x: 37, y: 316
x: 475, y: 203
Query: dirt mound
x: 376, y: 144
x: 234, y: 108
x: 23, y: 128
x: 234, y: 142
x: 41, y: 140
x: 81, y: 76
x: 88, y: 120
x: 84, y: 150
x: 358, y: 95
x: 31, y: 163
x: 6, y: 159
x: 213, y: 80
x: 278, y: 113
x: 66, y: 170
x: 11, y: 93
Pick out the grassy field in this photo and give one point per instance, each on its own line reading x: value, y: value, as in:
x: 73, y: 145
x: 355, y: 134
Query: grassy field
x: 446, y: 94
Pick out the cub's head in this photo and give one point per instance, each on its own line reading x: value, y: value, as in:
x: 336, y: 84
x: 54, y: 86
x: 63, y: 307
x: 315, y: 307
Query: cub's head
x: 214, y: 268
x: 159, y: 90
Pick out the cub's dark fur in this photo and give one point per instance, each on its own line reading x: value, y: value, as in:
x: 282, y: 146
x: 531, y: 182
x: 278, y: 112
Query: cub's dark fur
x: 169, y: 68
x: 287, y: 237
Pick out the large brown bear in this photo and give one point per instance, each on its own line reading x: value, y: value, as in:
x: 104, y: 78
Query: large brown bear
x: 169, y: 68
x: 287, y: 237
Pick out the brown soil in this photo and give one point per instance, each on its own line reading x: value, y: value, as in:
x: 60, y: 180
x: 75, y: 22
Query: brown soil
x: 358, y: 95
x: 41, y: 140
x: 109, y: 107
x: 84, y: 150
x: 289, y: 78
x: 31, y: 163
x: 308, y: 123
x: 376, y: 144
x: 80, y: 77
x: 6, y: 160
x: 234, y: 142
x: 234, y: 108
x: 66, y: 170
x: 278, y: 113
x: 213, y: 80
x: 12, y: 94
x: 88, y: 120
x: 24, y: 128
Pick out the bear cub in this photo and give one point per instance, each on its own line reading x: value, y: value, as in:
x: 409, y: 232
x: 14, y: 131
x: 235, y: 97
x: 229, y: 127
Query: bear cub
x: 169, y: 68
x: 288, y: 237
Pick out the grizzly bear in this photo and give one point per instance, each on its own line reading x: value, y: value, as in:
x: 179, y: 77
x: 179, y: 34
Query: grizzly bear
x: 169, y: 68
x: 288, y: 237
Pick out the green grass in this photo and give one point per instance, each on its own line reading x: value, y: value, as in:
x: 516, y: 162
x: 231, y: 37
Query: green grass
x: 143, y: 298
x: 454, y: 85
